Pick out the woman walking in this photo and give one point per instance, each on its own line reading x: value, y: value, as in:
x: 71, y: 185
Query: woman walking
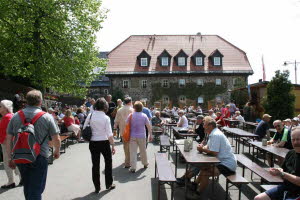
x: 6, y: 109
x: 102, y: 138
x: 138, y: 120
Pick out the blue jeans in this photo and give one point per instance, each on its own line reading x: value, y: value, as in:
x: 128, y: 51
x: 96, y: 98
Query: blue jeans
x: 34, y: 177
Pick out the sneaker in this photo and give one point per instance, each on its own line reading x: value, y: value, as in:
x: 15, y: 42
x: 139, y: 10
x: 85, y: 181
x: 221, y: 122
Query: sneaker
x: 132, y: 170
x: 13, y: 185
x: 146, y: 166
x: 111, y: 187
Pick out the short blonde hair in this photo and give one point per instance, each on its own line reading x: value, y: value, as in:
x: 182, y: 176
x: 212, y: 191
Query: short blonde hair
x: 138, y: 106
x: 210, y: 121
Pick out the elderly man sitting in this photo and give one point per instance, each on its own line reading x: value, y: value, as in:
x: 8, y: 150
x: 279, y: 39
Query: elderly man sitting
x: 289, y: 172
x: 157, y: 122
x: 212, y: 114
x: 183, y: 121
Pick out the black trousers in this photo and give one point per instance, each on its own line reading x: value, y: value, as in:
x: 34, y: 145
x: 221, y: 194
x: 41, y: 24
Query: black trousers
x: 97, y: 148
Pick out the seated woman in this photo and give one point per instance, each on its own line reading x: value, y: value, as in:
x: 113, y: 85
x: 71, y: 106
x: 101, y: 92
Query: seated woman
x: 69, y: 122
x: 220, y: 120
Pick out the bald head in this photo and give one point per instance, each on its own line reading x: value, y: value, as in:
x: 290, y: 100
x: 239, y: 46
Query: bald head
x: 295, y: 136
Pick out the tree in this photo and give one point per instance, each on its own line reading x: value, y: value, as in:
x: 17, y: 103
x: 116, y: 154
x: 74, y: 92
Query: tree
x: 51, y: 42
x: 279, y: 101
x: 239, y: 95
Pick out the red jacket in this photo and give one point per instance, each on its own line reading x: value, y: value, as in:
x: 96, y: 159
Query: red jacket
x: 3, y: 126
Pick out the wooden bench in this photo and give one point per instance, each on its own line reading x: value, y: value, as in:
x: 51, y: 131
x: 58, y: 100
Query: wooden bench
x: 255, y: 168
x: 64, y: 141
x: 237, y: 181
x: 156, y: 134
x: 164, y: 171
x: 165, y: 144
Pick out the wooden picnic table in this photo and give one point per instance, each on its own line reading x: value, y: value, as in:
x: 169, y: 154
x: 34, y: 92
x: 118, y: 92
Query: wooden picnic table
x: 195, y: 157
x: 237, y: 134
x: 273, y: 150
x: 176, y: 131
x: 232, y: 122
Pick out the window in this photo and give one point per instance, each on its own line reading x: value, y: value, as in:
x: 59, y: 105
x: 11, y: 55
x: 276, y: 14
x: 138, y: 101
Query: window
x: 200, y: 100
x: 144, y: 62
x: 165, y: 83
x: 165, y: 100
x: 125, y: 84
x: 217, y: 61
x: 181, y: 61
x: 219, y: 99
x: 218, y: 81
x: 105, y: 91
x: 182, y: 99
x: 144, y: 83
x: 181, y: 82
x: 200, y: 82
x: 199, y: 61
x: 165, y: 61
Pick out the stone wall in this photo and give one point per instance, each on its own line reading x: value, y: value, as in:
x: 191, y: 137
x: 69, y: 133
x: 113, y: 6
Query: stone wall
x: 136, y: 91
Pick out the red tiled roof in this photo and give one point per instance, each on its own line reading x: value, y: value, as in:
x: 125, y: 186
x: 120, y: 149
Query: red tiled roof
x: 123, y: 58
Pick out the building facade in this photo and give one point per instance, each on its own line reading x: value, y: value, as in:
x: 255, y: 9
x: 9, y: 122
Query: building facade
x: 177, y: 69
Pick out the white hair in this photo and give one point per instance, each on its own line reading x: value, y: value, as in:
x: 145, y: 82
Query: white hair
x: 8, y: 105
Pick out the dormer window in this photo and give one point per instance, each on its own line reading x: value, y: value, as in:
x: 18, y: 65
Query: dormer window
x: 144, y: 62
x: 164, y: 59
x: 198, y: 58
x: 216, y: 58
x: 181, y: 61
x: 181, y: 58
x: 144, y: 59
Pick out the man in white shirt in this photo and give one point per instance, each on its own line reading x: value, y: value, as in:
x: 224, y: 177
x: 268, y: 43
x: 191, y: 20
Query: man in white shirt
x: 120, y: 121
x: 183, y: 121
x: 239, y: 117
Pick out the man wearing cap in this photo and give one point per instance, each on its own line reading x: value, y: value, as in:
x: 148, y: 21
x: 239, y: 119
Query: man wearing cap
x: 295, y: 122
x: 289, y: 172
x: 263, y: 126
x: 287, y: 123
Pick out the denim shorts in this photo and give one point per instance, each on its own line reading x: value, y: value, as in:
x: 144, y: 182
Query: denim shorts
x: 278, y: 192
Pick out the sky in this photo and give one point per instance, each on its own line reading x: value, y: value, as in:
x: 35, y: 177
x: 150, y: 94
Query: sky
x: 268, y: 28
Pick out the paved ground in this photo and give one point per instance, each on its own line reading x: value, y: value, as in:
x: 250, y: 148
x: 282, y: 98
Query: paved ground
x: 69, y: 178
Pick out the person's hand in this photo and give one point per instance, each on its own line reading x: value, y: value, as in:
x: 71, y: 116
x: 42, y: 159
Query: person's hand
x: 56, y: 153
x: 150, y: 138
x: 275, y: 171
x: 12, y: 164
x: 200, y: 148
x: 269, y: 142
x: 113, y: 150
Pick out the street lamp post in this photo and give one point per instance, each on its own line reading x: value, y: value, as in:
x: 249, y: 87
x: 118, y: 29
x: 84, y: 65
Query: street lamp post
x: 295, y: 64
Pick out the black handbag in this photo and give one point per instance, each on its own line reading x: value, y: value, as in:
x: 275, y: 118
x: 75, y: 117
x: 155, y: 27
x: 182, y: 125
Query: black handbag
x: 87, y: 131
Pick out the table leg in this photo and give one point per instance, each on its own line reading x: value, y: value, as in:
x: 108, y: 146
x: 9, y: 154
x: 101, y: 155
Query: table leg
x: 186, y: 181
x: 213, y: 179
x: 176, y: 155
x: 236, y: 142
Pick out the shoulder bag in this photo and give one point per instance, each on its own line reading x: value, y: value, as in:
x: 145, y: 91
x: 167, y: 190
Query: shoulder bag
x: 126, y: 133
x: 87, y: 131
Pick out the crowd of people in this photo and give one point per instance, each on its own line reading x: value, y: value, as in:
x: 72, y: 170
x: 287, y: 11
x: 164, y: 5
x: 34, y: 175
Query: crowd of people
x: 109, y: 121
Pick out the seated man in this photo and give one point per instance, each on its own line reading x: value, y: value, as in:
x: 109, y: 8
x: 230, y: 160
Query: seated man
x: 289, y: 172
x: 183, y: 121
x: 219, y: 146
x: 263, y: 126
x: 199, y: 130
x: 212, y: 114
x: 239, y: 117
x: 282, y: 139
x: 219, y: 119
x: 157, y: 122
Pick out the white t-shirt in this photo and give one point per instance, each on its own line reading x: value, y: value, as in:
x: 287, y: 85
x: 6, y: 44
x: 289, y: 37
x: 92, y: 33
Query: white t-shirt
x: 184, y: 121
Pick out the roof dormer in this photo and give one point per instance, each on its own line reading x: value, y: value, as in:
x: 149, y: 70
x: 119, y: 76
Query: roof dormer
x: 181, y: 58
x: 216, y: 58
x: 198, y: 58
x: 164, y: 59
x: 144, y: 59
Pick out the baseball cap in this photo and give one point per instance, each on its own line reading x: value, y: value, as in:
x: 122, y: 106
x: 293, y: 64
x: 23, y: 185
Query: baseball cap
x: 267, y: 116
x: 295, y: 119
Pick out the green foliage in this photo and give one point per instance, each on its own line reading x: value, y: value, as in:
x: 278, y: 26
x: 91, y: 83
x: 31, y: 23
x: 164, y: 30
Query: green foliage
x: 117, y: 94
x: 51, y: 42
x: 279, y: 101
x: 240, y: 97
x: 191, y: 91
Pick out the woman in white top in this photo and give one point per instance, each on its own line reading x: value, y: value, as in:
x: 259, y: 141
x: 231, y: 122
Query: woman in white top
x: 183, y: 121
x: 102, y: 138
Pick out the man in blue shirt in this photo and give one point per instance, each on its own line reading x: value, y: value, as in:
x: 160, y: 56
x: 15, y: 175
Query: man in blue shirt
x: 149, y: 115
x: 263, y: 126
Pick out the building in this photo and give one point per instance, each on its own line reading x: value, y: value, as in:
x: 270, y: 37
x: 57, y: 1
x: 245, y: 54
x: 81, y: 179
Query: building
x: 177, y: 69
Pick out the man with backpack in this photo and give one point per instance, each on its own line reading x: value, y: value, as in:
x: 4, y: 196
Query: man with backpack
x: 33, y: 127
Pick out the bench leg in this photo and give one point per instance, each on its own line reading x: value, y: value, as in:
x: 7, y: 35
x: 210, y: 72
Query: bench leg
x: 226, y: 189
x: 240, y: 191
x: 155, y: 169
x: 172, y: 190
x: 158, y: 192
x: 168, y: 149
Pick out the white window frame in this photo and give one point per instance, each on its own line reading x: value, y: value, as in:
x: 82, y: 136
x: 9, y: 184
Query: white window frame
x: 181, y: 82
x: 105, y: 91
x: 218, y: 81
x: 125, y: 84
x: 144, y: 83
x: 181, y: 61
x: 164, y: 61
x: 200, y: 98
x: 217, y: 61
x: 199, y: 60
x: 144, y: 62
x: 165, y: 83
x: 166, y: 100
x: 200, y: 82
x: 218, y: 99
x: 182, y: 99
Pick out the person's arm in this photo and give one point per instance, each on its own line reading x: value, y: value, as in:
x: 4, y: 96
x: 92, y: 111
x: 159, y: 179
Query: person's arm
x: 206, y: 150
x: 180, y: 123
x: 87, y: 121
x: 56, y: 143
x: 149, y: 127
x: 286, y: 176
x: 7, y: 141
x: 284, y: 138
x: 112, y: 143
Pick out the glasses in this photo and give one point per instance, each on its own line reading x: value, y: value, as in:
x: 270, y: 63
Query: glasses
x: 277, y: 126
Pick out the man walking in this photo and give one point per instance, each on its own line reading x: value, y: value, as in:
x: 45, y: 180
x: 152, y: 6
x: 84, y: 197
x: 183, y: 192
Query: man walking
x: 120, y: 121
x: 34, y: 174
